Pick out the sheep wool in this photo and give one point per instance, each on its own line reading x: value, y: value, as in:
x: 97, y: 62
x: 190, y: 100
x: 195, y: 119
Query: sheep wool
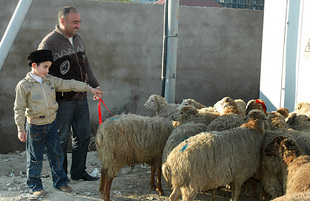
x: 294, y: 197
x: 295, y: 165
x: 129, y: 139
x: 192, y: 102
x: 299, y: 122
x: 303, y: 108
x: 180, y: 134
x: 225, y: 122
x: 212, y: 159
x: 270, y: 168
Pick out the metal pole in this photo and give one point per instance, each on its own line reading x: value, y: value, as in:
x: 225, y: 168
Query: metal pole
x: 172, y: 43
x: 13, y: 29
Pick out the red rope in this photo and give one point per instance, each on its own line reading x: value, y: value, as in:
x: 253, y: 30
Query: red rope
x: 99, y: 110
x: 262, y: 103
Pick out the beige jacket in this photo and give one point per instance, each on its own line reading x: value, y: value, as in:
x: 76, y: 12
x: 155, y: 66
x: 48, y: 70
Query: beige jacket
x: 37, y: 101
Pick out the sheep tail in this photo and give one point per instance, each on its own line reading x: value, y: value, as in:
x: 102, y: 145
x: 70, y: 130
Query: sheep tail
x: 166, y: 172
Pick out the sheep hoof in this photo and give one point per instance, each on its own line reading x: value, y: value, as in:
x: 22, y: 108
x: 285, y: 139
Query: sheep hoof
x: 160, y: 191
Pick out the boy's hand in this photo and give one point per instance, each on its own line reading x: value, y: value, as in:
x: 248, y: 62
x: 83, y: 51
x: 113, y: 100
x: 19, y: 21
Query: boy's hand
x: 22, y: 136
x: 97, y: 93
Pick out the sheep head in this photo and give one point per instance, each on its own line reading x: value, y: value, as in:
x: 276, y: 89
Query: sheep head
x: 276, y: 121
x: 185, y: 113
x: 186, y: 102
x: 154, y: 102
x: 227, y: 106
x: 298, y: 121
x: 255, y: 120
x: 302, y: 107
x: 283, y: 111
x: 284, y: 148
x: 256, y: 104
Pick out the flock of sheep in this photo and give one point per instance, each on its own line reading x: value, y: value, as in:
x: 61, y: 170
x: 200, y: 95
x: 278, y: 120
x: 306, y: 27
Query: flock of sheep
x: 198, y: 148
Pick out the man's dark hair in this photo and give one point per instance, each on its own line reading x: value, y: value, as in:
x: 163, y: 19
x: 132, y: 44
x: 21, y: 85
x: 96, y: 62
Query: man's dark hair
x: 65, y: 11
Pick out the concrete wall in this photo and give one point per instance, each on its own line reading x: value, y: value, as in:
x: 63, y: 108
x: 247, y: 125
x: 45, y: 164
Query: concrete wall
x: 219, y: 53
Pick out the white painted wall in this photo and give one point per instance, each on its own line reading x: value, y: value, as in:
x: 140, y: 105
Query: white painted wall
x: 273, y: 51
x: 285, y: 65
x: 303, y: 70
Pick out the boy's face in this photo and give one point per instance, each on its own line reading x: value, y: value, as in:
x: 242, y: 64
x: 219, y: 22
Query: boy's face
x: 42, y: 69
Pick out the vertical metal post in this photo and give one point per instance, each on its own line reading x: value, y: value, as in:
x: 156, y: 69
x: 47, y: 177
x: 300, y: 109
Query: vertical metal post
x: 13, y: 28
x: 171, y: 41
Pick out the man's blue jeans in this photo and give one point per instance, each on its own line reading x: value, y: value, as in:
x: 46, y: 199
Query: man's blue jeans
x: 40, y: 138
x: 75, y: 115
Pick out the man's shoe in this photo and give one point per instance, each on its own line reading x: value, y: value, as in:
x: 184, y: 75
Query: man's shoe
x: 39, y: 193
x: 87, y: 177
x: 66, y: 188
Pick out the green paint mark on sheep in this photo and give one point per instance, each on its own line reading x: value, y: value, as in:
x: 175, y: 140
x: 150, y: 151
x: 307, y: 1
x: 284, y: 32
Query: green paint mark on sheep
x: 112, y: 119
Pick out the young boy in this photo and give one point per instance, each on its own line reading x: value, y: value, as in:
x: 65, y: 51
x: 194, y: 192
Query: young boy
x: 36, y: 100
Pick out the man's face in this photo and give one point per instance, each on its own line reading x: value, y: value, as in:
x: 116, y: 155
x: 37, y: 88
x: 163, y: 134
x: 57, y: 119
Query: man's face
x: 71, y: 24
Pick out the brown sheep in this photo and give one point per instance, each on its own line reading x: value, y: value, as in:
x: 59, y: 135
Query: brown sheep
x: 295, y: 165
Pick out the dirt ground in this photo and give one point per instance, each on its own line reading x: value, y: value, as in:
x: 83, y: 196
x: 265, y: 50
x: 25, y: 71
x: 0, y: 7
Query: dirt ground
x: 129, y: 184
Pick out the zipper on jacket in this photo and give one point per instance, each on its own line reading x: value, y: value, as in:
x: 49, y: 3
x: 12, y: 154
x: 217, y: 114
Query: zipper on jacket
x: 48, y: 115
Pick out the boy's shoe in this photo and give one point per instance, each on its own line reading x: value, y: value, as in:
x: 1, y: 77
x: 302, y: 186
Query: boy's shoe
x: 39, y: 193
x: 65, y: 188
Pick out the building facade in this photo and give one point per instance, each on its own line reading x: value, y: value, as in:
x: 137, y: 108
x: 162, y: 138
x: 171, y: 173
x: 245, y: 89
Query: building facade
x: 243, y: 4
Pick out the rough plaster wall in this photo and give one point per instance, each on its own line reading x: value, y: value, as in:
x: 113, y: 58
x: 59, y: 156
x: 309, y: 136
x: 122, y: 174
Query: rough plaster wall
x: 218, y: 54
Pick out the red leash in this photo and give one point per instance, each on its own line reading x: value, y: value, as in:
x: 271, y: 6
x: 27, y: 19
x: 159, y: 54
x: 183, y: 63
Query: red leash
x: 99, y: 110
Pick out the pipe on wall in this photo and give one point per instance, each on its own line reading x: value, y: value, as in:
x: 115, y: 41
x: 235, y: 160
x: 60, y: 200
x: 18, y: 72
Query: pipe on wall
x: 13, y: 29
x: 171, y: 21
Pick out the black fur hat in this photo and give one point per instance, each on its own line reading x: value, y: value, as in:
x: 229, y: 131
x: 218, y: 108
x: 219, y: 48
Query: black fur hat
x: 39, y: 56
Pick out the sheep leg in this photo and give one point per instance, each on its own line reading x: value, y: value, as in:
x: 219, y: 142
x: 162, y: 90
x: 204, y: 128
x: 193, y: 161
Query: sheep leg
x: 175, y: 194
x: 159, y: 186
x: 102, y: 181
x: 152, y: 182
x: 213, y: 194
x: 105, y: 187
x: 236, y: 191
x: 188, y: 194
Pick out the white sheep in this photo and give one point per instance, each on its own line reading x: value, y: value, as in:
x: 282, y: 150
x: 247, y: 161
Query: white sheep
x: 295, y: 165
x: 294, y: 197
x: 299, y: 122
x: 192, y: 102
x: 129, y: 139
x: 210, y: 160
x: 180, y: 134
x: 303, y: 108
x: 161, y: 107
x: 241, y: 106
x: 191, y: 114
x: 227, y: 106
x: 225, y: 122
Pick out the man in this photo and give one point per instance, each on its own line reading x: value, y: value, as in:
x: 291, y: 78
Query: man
x: 71, y: 62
